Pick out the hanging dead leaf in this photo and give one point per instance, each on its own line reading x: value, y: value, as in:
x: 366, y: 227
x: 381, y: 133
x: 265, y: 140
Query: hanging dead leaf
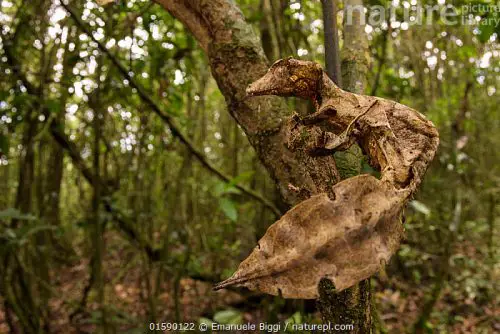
x: 345, y: 239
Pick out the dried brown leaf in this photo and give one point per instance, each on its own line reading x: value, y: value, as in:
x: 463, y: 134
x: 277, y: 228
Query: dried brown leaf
x: 345, y: 239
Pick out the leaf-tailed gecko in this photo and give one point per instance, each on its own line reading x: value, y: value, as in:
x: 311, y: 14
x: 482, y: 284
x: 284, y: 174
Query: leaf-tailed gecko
x: 398, y: 140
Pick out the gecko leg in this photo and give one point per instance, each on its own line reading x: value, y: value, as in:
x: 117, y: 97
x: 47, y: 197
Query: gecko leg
x: 347, y: 138
x: 296, y: 117
x: 318, y: 116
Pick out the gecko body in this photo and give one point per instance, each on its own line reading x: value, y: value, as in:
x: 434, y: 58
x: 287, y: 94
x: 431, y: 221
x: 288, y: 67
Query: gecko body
x: 399, y: 141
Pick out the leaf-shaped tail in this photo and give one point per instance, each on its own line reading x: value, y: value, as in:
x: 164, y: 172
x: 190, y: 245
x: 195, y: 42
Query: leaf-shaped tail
x: 346, y: 239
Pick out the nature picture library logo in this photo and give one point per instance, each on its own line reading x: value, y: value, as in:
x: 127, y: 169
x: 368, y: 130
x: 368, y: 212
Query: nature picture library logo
x: 403, y: 14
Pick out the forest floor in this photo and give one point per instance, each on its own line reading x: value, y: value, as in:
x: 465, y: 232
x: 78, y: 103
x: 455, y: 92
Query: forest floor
x: 127, y: 300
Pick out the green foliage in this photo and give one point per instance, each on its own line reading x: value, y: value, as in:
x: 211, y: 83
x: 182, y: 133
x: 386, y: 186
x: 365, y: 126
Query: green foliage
x: 296, y: 318
x: 228, y: 317
x: 12, y: 213
x: 229, y: 208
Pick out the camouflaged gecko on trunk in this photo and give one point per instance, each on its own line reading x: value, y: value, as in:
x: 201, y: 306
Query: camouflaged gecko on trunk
x: 350, y: 233
x: 398, y: 140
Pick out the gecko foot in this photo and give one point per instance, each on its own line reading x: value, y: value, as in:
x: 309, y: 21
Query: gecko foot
x: 296, y: 118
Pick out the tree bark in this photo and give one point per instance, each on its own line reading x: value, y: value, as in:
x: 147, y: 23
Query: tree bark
x: 355, y: 52
x: 331, y: 38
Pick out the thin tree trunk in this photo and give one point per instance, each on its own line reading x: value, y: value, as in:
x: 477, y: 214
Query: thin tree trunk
x: 26, y: 166
x: 182, y: 205
x: 331, y: 38
x: 99, y: 224
x: 268, y: 31
x: 55, y: 163
x: 355, y: 52
x: 277, y: 15
x: 491, y: 232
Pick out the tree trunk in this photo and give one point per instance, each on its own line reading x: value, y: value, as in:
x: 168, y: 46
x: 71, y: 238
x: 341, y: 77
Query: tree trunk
x: 331, y: 38
x: 355, y: 52
x: 268, y: 32
x: 55, y: 164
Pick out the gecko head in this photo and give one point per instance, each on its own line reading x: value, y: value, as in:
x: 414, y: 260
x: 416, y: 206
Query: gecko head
x: 288, y: 77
